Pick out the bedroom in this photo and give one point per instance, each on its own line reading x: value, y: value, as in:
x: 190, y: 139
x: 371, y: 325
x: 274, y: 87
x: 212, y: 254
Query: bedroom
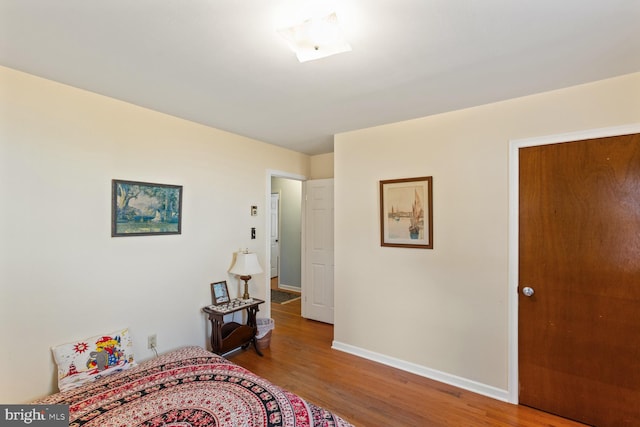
x: 63, y: 276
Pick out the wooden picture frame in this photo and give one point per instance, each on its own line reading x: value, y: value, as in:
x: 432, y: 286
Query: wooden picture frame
x: 406, y: 212
x: 220, y: 292
x: 145, y: 209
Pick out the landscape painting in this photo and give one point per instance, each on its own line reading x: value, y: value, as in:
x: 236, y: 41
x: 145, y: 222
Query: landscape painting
x: 406, y: 213
x: 143, y: 209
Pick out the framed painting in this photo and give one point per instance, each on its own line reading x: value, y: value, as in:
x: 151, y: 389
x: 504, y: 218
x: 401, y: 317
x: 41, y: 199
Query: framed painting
x: 220, y: 292
x: 145, y: 209
x: 406, y: 212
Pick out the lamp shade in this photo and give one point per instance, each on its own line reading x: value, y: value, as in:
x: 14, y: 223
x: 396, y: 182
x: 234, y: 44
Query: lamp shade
x: 246, y: 264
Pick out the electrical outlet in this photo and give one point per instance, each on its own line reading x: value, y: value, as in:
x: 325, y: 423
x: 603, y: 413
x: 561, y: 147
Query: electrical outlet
x: 152, y: 341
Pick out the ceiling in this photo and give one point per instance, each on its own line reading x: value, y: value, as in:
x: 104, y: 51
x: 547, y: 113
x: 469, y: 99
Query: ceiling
x: 222, y: 63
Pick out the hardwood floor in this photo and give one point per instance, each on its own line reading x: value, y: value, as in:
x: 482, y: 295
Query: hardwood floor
x: 366, y: 393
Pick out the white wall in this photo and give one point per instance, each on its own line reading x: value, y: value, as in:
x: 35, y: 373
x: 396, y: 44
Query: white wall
x: 62, y: 276
x: 444, y: 312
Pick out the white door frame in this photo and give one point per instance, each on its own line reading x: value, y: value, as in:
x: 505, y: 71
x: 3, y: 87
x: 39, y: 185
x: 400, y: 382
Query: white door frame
x: 271, y: 173
x: 514, y: 193
x: 278, y: 195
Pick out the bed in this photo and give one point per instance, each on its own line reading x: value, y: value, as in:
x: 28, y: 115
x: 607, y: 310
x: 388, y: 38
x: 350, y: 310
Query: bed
x: 188, y: 387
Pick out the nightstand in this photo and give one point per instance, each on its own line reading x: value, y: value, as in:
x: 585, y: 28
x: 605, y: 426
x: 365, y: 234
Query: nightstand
x: 231, y: 335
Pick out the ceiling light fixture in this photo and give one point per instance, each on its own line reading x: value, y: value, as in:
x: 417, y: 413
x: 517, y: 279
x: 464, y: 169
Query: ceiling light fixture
x: 316, y: 38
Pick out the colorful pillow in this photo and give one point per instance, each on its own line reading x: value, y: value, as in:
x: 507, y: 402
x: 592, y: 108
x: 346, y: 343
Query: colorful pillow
x: 93, y: 358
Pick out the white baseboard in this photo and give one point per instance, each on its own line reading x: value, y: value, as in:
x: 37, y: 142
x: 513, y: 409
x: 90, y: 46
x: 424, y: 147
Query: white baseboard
x: 289, y: 288
x: 443, y: 377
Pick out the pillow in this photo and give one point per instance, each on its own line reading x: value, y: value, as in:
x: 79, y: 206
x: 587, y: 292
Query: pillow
x: 92, y: 358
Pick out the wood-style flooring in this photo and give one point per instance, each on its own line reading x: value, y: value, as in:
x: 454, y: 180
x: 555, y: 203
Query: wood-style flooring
x: 366, y: 393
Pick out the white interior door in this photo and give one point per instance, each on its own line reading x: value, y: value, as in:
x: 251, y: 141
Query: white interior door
x: 318, y: 260
x: 275, y: 234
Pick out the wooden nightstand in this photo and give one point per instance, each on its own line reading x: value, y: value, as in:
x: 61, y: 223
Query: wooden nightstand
x: 229, y: 336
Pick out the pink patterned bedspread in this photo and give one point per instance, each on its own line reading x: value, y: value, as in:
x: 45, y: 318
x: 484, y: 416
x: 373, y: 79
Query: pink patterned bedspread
x: 189, y: 387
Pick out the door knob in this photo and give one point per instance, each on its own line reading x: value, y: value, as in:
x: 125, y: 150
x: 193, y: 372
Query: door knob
x: 527, y: 291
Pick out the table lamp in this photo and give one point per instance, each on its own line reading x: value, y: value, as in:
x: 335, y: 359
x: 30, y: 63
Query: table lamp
x: 245, y: 264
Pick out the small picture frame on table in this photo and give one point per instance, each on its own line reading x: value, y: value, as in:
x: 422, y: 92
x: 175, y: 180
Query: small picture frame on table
x: 220, y: 293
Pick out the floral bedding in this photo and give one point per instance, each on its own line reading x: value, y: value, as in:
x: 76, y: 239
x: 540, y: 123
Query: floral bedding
x: 189, y: 387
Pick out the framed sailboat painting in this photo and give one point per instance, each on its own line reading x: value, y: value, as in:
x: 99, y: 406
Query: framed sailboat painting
x: 145, y: 209
x: 406, y: 212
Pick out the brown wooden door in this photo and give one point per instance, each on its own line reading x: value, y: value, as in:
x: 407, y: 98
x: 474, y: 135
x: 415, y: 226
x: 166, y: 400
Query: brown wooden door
x: 579, y: 334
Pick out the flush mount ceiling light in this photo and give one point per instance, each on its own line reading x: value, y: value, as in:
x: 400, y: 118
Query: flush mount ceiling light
x: 316, y: 38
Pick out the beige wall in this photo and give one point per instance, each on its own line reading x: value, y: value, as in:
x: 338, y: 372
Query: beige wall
x: 444, y: 312
x: 62, y: 276
x: 322, y: 166
x: 441, y: 311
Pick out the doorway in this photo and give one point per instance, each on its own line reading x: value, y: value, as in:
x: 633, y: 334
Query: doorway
x: 575, y: 198
x: 272, y: 177
x: 286, y: 233
x: 313, y: 240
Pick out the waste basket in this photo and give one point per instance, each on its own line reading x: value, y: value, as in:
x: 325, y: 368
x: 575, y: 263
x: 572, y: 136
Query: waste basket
x: 263, y: 337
